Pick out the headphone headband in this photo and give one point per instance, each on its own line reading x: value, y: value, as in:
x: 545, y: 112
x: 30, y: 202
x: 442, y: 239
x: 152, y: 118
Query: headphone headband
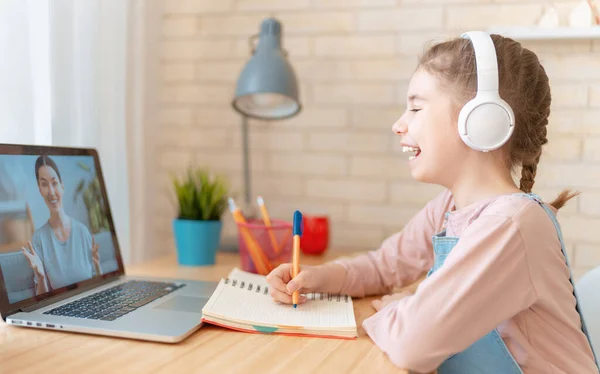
x: 485, y: 61
x: 485, y: 122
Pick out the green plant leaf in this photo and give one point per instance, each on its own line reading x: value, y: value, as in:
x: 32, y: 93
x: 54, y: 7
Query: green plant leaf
x: 79, y: 188
x: 200, y: 195
x: 83, y: 166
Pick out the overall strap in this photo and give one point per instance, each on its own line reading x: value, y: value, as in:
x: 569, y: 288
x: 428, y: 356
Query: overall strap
x: 563, y: 249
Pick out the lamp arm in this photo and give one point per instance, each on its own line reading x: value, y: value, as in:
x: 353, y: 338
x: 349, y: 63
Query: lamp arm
x: 246, y: 161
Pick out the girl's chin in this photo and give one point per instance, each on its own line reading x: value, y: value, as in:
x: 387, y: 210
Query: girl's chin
x: 421, y: 174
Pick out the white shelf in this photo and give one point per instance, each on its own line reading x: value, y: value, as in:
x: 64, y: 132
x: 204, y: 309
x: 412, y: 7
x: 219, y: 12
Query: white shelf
x: 547, y: 33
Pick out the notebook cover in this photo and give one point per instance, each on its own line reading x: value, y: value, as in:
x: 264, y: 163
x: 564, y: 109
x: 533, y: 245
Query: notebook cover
x: 276, y: 332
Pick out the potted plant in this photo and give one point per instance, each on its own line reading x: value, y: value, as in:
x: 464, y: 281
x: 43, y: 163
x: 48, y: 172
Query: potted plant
x: 202, y: 200
x: 93, y: 199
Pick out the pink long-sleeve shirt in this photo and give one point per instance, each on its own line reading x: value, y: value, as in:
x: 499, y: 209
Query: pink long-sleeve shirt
x: 507, y: 271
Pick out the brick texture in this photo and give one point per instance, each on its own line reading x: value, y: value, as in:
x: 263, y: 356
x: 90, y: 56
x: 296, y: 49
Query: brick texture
x: 180, y: 26
x: 197, y: 6
x: 179, y: 72
x: 353, y: 190
x: 353, y: 60
x: 402, y: 19
x: 350, y: 46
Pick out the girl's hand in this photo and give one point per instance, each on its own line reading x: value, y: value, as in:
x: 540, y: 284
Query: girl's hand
x: 281, y: 285
x: 96, y: 256
x: 387, y: 299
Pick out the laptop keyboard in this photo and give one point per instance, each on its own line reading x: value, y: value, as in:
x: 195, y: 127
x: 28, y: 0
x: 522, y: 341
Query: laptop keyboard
x: 116, y: 301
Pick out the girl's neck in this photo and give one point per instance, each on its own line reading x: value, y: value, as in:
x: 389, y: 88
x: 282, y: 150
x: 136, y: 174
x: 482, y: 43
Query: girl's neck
x: 471, y: 187
x: 59, y: 220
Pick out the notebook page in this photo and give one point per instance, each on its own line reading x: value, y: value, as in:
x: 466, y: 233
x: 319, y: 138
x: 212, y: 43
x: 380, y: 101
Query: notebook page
x: 257, y: 308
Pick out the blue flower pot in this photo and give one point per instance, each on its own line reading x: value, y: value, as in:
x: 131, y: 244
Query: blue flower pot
x: 197, y: 241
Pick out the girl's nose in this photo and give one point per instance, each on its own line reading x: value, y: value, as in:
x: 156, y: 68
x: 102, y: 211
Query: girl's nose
x: 400, y: 126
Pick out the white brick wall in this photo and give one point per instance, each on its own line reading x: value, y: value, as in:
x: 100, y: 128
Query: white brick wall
x: 354, y: 46
x: 179, y: 72
x: 409, y: 18
x: 308, y: 163
x: 347, y: 190
x: 355, y: 93
x: 188, y: 50
x: 481, y: 16
x: 348, y: 143
x: 179, y: 26
x: 354, y: 59
x: 197, y: 6
x: 595, y: 95
x: 316, y: 22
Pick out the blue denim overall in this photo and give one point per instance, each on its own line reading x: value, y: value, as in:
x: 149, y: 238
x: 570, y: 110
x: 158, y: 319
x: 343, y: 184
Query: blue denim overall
x: 489, y: 354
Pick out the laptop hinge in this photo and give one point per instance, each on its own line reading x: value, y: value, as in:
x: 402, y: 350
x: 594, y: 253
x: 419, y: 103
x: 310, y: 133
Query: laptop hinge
x: 68, y: 294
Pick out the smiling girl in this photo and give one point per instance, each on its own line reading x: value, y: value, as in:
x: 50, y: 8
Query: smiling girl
x: 62, y: 251
x: 498, y: 295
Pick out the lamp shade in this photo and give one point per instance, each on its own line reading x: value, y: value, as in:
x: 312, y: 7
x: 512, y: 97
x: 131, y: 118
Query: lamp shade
x: 267, y: 87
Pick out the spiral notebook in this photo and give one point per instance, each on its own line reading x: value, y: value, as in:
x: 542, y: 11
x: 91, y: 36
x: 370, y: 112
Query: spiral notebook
x: 242, y: 302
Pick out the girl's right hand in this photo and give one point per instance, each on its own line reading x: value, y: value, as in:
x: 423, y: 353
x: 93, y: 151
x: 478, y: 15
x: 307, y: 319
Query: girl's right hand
x: 309, y: 279
x: 34, y: 260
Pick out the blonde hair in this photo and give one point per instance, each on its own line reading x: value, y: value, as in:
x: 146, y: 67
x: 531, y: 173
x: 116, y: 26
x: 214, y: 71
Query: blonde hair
x: 524, y: 85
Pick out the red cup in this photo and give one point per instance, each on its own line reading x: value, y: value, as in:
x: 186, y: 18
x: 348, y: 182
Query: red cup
x: 315, y: 234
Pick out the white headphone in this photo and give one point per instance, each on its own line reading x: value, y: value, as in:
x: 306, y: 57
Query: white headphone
x: 486, y: 122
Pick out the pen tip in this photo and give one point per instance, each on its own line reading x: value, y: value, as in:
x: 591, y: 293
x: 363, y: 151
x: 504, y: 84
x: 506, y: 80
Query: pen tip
x: 295, y: 305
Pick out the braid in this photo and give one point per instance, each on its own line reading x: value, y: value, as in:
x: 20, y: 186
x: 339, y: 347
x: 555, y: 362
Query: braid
x: 528, y: 176
x: 529, y: 169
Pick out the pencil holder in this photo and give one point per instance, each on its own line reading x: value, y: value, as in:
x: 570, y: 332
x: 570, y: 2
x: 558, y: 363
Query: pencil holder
x: 263, y: 248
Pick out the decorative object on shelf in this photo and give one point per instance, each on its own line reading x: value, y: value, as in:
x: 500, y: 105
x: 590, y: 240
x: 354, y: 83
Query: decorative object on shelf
x: 595, y: 12
x: 582, y: 15
x: 202, y: 200
x: 266, y: 89
x: 549, y: 18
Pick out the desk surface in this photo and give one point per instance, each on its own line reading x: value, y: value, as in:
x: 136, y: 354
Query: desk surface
x: 210, y: 349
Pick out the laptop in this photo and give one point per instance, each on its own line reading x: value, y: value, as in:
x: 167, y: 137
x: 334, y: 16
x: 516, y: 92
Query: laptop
x: 60, y: 262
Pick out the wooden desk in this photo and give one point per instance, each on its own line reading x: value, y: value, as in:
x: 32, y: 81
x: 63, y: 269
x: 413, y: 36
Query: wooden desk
x: 209, y: 350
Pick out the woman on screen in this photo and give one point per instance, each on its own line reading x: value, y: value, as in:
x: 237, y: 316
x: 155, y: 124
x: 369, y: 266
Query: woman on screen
x: 62, y: 251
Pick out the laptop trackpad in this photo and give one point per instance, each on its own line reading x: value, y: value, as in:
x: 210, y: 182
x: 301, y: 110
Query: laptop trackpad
x: 184, y: 304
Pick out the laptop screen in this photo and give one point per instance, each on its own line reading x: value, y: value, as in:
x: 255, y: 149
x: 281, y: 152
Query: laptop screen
x: 55, y: 225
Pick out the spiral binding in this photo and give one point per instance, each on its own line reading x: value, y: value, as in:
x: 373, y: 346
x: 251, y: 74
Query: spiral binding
x: 319, y: 296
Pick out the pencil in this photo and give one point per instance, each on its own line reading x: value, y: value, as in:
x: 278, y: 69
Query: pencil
x: 261, y: 262
x: 296, y: 253
x: 267, y: 219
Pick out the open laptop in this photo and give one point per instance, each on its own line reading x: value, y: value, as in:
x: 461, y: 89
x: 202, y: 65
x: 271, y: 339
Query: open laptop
x: 55, y: 218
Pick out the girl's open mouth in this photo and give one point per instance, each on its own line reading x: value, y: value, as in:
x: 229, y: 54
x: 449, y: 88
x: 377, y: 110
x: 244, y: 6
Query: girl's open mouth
x: 417, y: 151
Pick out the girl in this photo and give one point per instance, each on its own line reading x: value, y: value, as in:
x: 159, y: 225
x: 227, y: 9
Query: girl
x: 498, y: 295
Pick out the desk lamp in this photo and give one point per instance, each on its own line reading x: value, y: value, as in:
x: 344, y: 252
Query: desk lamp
x: 267, y: 89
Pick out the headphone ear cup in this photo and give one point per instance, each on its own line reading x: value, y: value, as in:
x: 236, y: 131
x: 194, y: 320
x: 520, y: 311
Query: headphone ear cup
x: 485, y: 125
x: 462, y: 124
